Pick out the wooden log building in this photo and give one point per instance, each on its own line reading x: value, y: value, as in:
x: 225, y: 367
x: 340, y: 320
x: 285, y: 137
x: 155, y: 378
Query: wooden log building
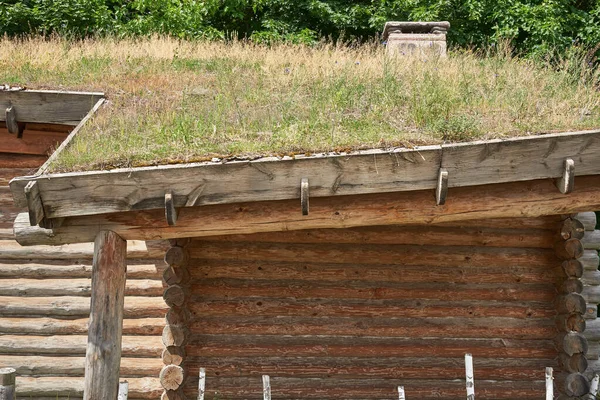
x: 339, y: 276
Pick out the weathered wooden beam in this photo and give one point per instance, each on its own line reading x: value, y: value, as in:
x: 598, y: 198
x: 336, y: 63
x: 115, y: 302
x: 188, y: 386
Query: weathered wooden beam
x: 566, y: 183
x: 12, y: 125
x: 441, y: 190
x: 268, y: 179
x: 48, y: 106
x: 588, y: 219
x: 518, y: 199
x: 304, y: 196
x: 34, y: 203
x: 170, y: 210
x: 103, y: 355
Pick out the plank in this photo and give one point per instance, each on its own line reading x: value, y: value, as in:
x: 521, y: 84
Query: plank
x: 268, y: 179
x: 523, y: 199
x: 591, y: 240
x: 48, y: 106
x: 34, y: 203
x: 363, y: 326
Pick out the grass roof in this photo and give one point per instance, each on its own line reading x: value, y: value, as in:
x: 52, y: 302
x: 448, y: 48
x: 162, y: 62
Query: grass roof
x: 176, y: 101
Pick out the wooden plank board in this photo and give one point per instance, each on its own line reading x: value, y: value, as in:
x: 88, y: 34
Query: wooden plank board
x: 517, y: 199
x: 48, y: 106
x: 268, y: 179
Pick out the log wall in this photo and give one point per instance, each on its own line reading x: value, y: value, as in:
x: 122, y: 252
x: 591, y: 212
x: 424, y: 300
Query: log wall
x: 354, y: 313
x: 44, y: 308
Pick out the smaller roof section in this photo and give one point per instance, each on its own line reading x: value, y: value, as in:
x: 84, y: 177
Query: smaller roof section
x: 415, y: 27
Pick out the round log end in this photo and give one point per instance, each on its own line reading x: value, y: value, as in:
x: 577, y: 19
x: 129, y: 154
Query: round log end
x: 174, y: 296
x: 576, y: 385
x: 572, y: 303
x: 173, y: 355
x: 177, y: 256
x: 173, y: 395
x: 175, y: 275
x: 7, y: 376
x: 572, y: 228
x: 171, y: 377
x: 573, y: 268
x: 174, y: 335
x: 575, y: 363
x: 571, y: 285
x: 177, y: 316
x: 571, y: 322
x: 574, y: 343
x: 567, y: 249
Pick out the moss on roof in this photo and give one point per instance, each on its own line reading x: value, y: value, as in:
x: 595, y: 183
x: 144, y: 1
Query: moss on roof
x: 174, y: 101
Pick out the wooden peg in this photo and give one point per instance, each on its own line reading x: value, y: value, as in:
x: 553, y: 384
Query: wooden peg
x: 170, y: 211
x: 441, y: 190
x: 549, y: 384
x: 11, y: 122
x: 566, y: 183
x: 470, y: 379
x: 304, y: 194
x: 401, y: 395
x: 266, y: 387
x: 202, y: 384
x: 123, y: 390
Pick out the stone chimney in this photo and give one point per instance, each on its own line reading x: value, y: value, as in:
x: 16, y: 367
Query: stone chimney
x: 416, y: 38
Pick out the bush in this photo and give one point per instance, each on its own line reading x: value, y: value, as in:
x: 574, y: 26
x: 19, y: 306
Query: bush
x: 533, y: 26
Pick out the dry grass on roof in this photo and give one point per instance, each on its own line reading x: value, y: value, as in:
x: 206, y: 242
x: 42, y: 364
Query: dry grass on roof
x: 174, y: 101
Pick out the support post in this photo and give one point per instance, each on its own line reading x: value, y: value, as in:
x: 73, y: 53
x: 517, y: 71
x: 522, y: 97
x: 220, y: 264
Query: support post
x: 103, y: 355
x: 470, y: 378
x: 549, y: 384
x: 266, y: 387
x: 7, y: 383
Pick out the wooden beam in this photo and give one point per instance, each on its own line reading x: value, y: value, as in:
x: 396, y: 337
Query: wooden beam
x: 271, y: 178
x: 510, y: 200
x: 103, y: 355
x: 441, y: 191
x: 34, y: 203
x: 567, y: 181
x: 12, y: 125
x: 48, y: 106
x: 170, y: 211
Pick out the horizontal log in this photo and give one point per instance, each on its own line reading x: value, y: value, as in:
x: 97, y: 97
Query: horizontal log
x: 37, y: 365
x: 591, y: 240
x: 546, y: 222
x: 571, y: 228
x: 328, y: 388
x: 228, y: 289
x: 593, y: 352
x: 72, y: 287
x: 11, y: 250
x: 572, y: 343
x: 567, y: 249
x: 505, y: 369
x: 135, y: 346
x: 588, y: 219
x: 327, y: 272
x: 54, y: 326
x: 571, y: 285
x: 25, y: 161
x: 590, y: 260
x: 6, y: 233
x: 501, y: 201
x: 171, y: 377
x: 348, y: 346
x: 46, y: 269
x: 72, y: 388
x: 591, y: 294
x: 137, y: 307
x: 459, y: 327
x: 173, y: 355
x: 270, y: 179
x: 591, y: 278
x: 572, y: 303
x: 7, y: 173
x: 176, y: 256
x: 416, y: 235
x: 592, y: 330
x: 575, y: 363
x: 8, y: 215
x: 374, y: 308
x: 449, y: 256
x: 591, y: 311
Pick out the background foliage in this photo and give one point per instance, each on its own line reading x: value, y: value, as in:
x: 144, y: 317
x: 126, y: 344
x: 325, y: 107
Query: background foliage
x: 534, y: 26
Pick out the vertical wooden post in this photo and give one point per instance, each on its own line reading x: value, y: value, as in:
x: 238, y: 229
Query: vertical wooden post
x: 103, y: 355
x: 470, y: 377
x: 401, y: 395
x: 266, y: 387
x: 123, y: 390
x: 549, y: 384
x: 201, y: 384
x: 7, y: 383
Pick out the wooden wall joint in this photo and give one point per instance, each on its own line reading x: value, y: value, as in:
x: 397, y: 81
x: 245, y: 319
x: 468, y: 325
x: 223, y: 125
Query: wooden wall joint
x: 571, y: 307
x: 170, y: 210
x: 175, y: 333
x: 12, y: 125
x: 34, y: 203
x: 566, y: 182
x: 441, y: 191
x: 304, y: 195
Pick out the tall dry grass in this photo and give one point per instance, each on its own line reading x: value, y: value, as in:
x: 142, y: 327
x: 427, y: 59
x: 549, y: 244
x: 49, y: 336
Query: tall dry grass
x: 177, y: 101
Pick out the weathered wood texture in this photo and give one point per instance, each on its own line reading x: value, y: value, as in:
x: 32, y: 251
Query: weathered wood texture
x: 52, y: 107
x: 512, y: 200
x: 45, y: 305
x: 34, y: 142
x: 355, y: 313
x: 270, y: 179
